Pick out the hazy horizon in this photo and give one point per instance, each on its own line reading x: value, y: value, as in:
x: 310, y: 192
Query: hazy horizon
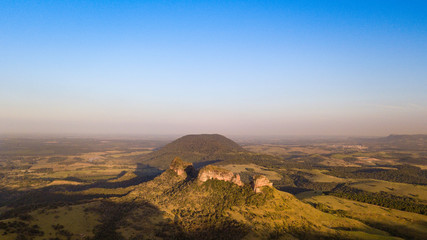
x: 171, y: 137
x: 249, y: 68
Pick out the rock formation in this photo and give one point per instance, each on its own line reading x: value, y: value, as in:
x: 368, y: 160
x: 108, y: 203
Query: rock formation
x: 214, y: 172
x: 260, y: 181
x: 182, y: 168
x: 186, y: 169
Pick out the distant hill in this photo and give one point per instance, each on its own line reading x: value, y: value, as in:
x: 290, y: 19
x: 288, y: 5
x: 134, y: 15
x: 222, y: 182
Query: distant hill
x: 416, y: 142
x: 204, y: 144
x: 196, y: 149
x: 420, y: 138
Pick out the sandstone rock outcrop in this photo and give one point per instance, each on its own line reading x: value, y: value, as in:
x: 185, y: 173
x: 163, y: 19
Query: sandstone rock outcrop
x: 214, y: 172
x: 186, y: 169
x: 182, y: 168
x: 259, y: 181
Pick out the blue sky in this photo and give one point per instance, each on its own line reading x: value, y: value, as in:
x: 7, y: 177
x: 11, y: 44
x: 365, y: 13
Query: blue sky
x: 232, y: 67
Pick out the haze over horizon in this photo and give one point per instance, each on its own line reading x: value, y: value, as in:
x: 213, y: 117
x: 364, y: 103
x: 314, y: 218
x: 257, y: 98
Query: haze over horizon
x: 237, y: 68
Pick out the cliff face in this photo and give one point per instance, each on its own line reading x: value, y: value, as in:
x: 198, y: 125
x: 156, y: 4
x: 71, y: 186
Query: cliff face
x: 259, y: 182
x: 186, y: 169
x: 214, y: 172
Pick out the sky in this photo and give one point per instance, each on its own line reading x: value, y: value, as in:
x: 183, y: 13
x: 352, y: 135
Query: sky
x: 332, y: 68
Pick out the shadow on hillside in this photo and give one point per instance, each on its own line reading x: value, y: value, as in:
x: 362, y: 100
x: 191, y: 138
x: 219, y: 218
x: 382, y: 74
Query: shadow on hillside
x: 198, y: 165
x: 114, y: 215
x: 401, y: 230
x: 293, y: 190
x: 22, y: 202
x: 143, y: 220
x: 144, y: 173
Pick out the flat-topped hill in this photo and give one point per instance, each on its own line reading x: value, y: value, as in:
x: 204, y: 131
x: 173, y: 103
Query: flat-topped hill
x: 195, y: 148
x: 203, y: 143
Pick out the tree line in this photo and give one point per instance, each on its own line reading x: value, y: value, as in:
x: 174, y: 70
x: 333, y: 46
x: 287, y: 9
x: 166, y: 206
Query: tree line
x: 382, y: 199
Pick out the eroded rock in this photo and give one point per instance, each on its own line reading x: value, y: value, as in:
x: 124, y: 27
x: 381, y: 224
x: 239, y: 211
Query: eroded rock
x: 182, y: 168
x: 259, y: 181
x: 214, y: 172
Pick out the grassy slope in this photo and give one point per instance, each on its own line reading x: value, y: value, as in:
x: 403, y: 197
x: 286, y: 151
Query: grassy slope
x: 172, y: 207
x: 196, y: 207
x: 399, y: 189
x: 317, y: 175
x: 405, y: 224
x: 239, y: 168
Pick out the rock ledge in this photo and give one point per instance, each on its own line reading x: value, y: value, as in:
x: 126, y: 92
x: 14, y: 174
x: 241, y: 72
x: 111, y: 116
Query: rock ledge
x: 214, y: 172
x: 260, y: 181
x: 182, y: 168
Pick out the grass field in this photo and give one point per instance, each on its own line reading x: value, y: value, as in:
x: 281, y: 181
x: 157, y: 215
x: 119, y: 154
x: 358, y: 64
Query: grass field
x: 56, y: 223
x: 279, y: 150
x: 238, y: 168
x: 318, y: 175
x: 400, y: 223
x: 74, y: 218
x: 400, y: 189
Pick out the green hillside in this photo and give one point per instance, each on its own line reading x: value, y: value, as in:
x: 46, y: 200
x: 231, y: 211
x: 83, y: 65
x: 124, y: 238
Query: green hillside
x: 183, y: 208
x: 196, y: 148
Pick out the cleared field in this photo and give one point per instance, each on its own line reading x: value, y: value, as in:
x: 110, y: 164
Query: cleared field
x: 63, y: 182
x: 238, y: 168
x: 360, y: 159
x: 279, y: 150
x: 397, y: 222
x: 56, y: 223
x: 317, y: 175
x: 423, y: 167
x: 373, y: 161
x: 106, y: 191
x: 136, y: 153
x: 74, y: 219
x: 86, y: 174
x: 337, y: 162
x: 308, y: 194
x: 401, y: 189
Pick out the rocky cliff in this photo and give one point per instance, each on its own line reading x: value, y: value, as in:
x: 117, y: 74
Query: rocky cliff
x: 259, y: 181
x: 186, y: 169
x: 182, y: 168
x: 214, y: 172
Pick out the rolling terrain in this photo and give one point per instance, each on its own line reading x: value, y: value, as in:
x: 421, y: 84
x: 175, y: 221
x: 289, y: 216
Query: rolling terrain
x: 139, y: 189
